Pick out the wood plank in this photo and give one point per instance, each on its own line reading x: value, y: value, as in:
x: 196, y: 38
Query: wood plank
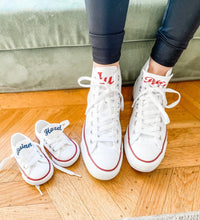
x: 54, y: 98
x: 180, y: 117
x: 65, y: 197
x: 30, y: 212
x: 44, y: 98
x: 126, y: 188
x: 181, y: 192
x: 181, y: 137
x: 131, y: 193
x: 50, y: 98
x: 197, y: 83
x: 196, y: 202
x: 21, y: 194
x: 153, y: 194
x: 190, y: 98
x: 181, y: 150
x: 92, y: 193
x: 181, y: 157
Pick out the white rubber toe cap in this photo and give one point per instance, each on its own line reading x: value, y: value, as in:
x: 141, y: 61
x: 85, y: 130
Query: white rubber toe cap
x: 141, y: 157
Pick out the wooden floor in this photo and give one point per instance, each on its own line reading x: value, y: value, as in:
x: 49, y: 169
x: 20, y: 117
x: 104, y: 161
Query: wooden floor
x: 173, y: 187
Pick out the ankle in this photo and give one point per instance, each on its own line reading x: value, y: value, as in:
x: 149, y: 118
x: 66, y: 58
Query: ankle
x: 106, y: 65
x: 157, y: 69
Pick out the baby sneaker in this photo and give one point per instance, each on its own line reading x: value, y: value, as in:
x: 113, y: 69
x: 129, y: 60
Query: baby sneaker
x: 101, y: 144
x: 35, y: 167
x: 63, y: 151
x: 146, y: 136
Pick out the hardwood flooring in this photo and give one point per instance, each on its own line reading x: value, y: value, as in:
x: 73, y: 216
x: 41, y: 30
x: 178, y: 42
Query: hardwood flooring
x: 173, y: 187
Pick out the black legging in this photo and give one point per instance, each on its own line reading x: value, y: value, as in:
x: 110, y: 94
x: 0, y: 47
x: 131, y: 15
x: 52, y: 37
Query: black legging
x: 107, y: 18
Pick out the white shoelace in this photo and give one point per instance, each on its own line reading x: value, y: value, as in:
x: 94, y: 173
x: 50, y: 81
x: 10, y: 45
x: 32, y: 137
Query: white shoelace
x: 30, y: 159
x: 56, y: 143
x: 64, y: 170
x: 108, y: 95
x: 27, y: 160
x: 149, y: 120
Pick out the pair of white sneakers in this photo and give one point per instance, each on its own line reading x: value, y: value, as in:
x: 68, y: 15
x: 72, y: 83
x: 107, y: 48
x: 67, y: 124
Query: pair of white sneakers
x: 35, y: 161
x: 145, y: 140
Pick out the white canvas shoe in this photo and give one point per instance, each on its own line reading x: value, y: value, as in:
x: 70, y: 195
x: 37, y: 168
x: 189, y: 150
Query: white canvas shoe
x: 101, y: 144
x: 63, y: 151
x: 145, y: 140
x: 35, y: 167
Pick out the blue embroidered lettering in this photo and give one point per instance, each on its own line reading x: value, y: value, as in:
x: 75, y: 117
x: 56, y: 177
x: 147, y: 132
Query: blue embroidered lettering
x: 23, y: 146
x: 48, y: 131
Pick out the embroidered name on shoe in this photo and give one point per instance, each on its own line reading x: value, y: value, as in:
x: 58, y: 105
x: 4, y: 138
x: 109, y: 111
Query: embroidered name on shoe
x: 106, y: 79
x: 22, y: 147
x: 153, y: 81
x: 48, y: 131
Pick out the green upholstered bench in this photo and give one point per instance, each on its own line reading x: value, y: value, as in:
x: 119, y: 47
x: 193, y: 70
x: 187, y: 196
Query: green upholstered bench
x: 45, y: 45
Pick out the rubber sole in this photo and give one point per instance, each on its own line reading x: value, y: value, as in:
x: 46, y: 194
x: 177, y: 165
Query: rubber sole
x: 96, y: 172
x: 42, y: 180
x: 69, y: 162
x: 139, y: 165
x: 66, y: 163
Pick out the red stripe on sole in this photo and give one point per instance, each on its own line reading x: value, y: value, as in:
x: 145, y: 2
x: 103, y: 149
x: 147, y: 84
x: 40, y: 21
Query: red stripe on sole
x: 93, y: 160
x: 146, y: 161
x: 41, y: 177
x: 68, y: 159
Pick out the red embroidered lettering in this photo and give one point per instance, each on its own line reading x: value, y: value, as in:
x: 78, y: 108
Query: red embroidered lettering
x: 153, y: 81
x: 105, y: 79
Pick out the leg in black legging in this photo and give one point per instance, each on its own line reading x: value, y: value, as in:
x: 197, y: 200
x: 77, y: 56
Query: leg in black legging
x: 106, y: 19
x: 180, y: 21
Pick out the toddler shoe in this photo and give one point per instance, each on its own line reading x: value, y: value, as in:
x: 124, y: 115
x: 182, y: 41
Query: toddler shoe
x: 63, y: 151
x: 146, y: 136
x: 35, y: 167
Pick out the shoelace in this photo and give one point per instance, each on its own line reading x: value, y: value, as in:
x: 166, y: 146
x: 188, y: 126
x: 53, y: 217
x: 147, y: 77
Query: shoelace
x: 57, y: 142
x: 34, y: 159
x: 108, y: 94
x: 150, y: 119
x: 26, y: 161
x: 64, y: 170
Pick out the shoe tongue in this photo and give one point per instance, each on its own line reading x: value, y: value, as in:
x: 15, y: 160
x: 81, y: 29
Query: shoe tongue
x: 52, y: 131
x: 108, y: 76
x: 105, y: 75
x: 156, y: 80
x: 24, y: 147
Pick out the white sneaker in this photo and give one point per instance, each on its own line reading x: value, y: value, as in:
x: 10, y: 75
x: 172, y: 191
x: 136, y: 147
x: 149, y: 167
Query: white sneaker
x: 35, y: 167
x: 63, y: 151
x: 101, y: 144
x: 146, y: 136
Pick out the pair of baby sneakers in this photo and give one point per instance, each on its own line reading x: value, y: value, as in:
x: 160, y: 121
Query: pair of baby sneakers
x: 35, y: 161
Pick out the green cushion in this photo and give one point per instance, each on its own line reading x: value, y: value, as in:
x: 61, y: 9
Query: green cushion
x: 59, y: 68
x: 45, y: 45
x: 55, y: 23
